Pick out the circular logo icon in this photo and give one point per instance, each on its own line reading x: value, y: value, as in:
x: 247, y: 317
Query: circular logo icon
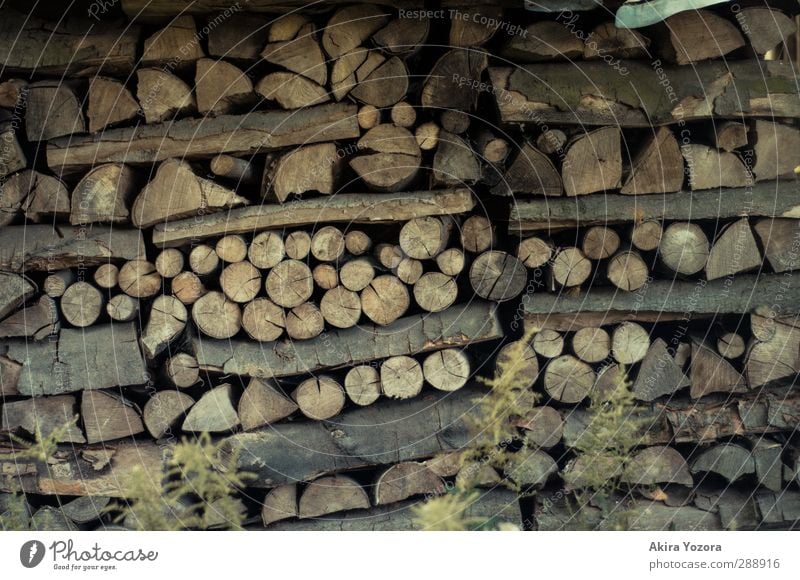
x: 31, y: 553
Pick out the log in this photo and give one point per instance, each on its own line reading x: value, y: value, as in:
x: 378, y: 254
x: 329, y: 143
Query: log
x: 182, y: 370
x: 325, y: 276
x: 163, y: 96
x: 44, y: 414
x: 710, y: 168
x: 363, y: 385
x: 384, y: 86
x: 164, y: 411
x: 543, y: 427
x: 389, y: 255
x: 593, y: 162
x: 435, y: 292
x: 167, y: 322
x: 280, y: 503
x: 319, y: 397
x: 48, y: 518
x: 628, y: 271
x: 570, y: 267
x: 447, y: 370
x: 340, y: 307
x: 591, y: 344
x: 731, y: 345
x: 646, y: 235
x: 548, y: 343
x: 84, y: 510
x: 530, y: 172
x: 298, y: 245
x: 122, y: 308
x: 427, y: 135
x: 52, y: 110
x: 406, y: 480
x: 349, y: 27
x: 729, y: 135
x: 104, y: 194
x: 300, y: 54
x: 621, y: 43
x: 240, y: 36
x: 424, y: 238
x: 402, y: 36
x: 392, y: 161
x: 15, y: 290
x: 106, y: 276
x: 474, y: 29
x: 630, y: 343
x: 327, y: 244
x: 534, y: 252
x: 777, y: 238
x: 454, y: 162
x: 329, y: 495
x: 203, y: 260
x: 347, y: 208
x: 108, y: 416
x: 81, y: 304
x: 491, y: 148
x: 773, y: 141
x: 33, y: 194
x: 497, y: 276
x: 441, y: 93
x: 262, y: 403
x: 659, y: 375
x: 734, y: 251
x: 552, y: 141
x: 526, y: 367
x: 240, y: 281
x: 221, y: 87
x: 11, y: 92
x: 139, y: 279
x: 265, y: 251
x: 658, y: 464
x: 230, y: 249
x: 568, y: 380
x: 241, y: 135
x: 12, y: 157
x: 216, y: 316
x: 451, y: 262
x: 352, y: 68
x: 710, y: 373
x: 234, y: 168
x: 263, y: 320
x: 403, y: 114
x: 401, y: 377
x: 384, y: 299
x: 729, y: 461
x: 477, y: 234
x: 175, y: 45
x: 474, y: 322
x: 289, y: 174
x: 187, y: 287
x: 110, y: 102
x: 537, y: 94
x: 368, y: 116
x: 213, y: 412
x: 657, y: 167
x: 156, y: 203
x: 409, y: 270
x: 684, y: 248
x: 772, y: 356
x: 291, y: 91
x: 599, y: 243
x: 35, y: 322
x: 765, y: 28
x: 696, y: 35
x: 290, y: 283
x: 543, y: 41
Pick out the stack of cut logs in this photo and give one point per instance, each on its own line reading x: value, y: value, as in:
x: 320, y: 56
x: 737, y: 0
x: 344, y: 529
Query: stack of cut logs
x: 309, y: 233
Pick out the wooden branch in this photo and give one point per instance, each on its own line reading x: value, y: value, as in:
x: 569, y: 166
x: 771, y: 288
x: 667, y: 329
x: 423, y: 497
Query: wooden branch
x: 204, y: 138
x: 348, y: 208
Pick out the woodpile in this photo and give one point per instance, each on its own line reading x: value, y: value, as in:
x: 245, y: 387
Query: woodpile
x: 310, y: 233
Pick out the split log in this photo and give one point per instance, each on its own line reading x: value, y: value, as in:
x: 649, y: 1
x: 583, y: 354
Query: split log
x: 777, y: 238
x: 710, y: 168
x: 599, y: 243
x: 300, y: 54
x: 104, y: 195
x: 297, y: 245
x: 474, y: 322
x: 289, y: 174
x: 401, y: 377
x: 435, y: 292
x: 110, y: 102
x: 164, y: 411
x: 657, y: 167
x: 552, y: 141
x: 768, y: 463
x: 497, y: 276
x: 157, y: 202
x: 477, y: 234
x: 534, y: 252
x: 727, y: 460
x: 765, y: 28
x: 139, y: 279
x: 221, y: 87
x: 734, y: 251
x: 182, y: 370
x: 548, y: 343
x: 591, y: 344
x: 166, y: 323
x: 106, y: 276
x: 216, y: 316
x: 402, y: 36
x: 406, y: 480
x: 262, y: 403
x: 570, y: 267
x: 349, y: 27
x: 447, y: 370
x: 629, y: 343
x: 384, y: 86
x: 454, y: 162
x: 33, y: 194
x: 319, y: 397
x: 291, y: 91
x: 710, y: 373
x: 696, y: 35
x: 477, y: 29
x: 48, y: 518
x: 542, y: 41
x: 684, y: 248
x: 85, y: 510
x: 52, y: 110
x: 393, y: 159
x: 187, y: 287
x: 427, y: 136
x: 280, y: 503
x: 240, y: 135
x: 730, y: 135
x: 213, y: 412
x: 349, y: 70
x: 628, y: 271
x: 526, y: 367
x: 543, y: 426
x: 440, y: 92
x: 12, y: 157
x: 329, y: 495
x: 175, y: 45
x: 325, y: 276
x: 163, y: 96
x: 646, y: 235
x: 35, y: 322
x: 122, y: 308
x: 108, y: 416
x: 290, y: 283
x: 363, y: 385
x: 240, y: 36
x: 39, y: 417
x: 534, y: 470
x: 81, y: 304
x: 593, y: 162
x: 530, y: 172
x: 240, y: 281
x: 409, y: 270
x: 659, y: 374
x: 263, y: 320
x: 389, y: 255
x: 621, y: 43
x: 234, y: 168
x: 568, y: 380
x: 654, y: 465
x: 15, y: 290
x: 384, y: 299
x: 772, y: 355
x: 773, y: 142
x: 340, y: 307
x: 451, y: 262
x: 731, y: 345
x: 327, y: 244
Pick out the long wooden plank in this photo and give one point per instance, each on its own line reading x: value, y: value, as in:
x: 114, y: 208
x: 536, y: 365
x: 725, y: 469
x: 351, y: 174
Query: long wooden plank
x: 149, y: 10
x: 764, y: 199
x: 203, y: 138
x: 470, y: 323
x: 594, y: 93
x: 347, y: 208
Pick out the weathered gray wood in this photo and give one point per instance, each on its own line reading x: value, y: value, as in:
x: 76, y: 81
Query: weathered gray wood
x: 14, y: 291
x: 348, y: 208
x: 50, y: 248
x: 160, y: 10
x: 474, y: 322
x: 204, y: 138
x: 761, y: 200
x: 35, y: 322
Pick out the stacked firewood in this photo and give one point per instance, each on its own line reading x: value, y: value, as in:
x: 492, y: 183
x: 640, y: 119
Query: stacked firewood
x: 310, y: 234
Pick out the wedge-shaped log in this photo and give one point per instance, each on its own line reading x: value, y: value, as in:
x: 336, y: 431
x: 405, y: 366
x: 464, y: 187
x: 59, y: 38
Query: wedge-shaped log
x: 328, y: 495
x: 45, y: 414
x: 104, y: 194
